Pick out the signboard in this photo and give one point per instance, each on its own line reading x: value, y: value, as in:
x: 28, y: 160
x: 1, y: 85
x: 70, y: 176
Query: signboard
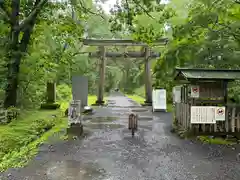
x: 207, y: 114
x: 74, y: 111
x: 195, y: 91
x: 177, y: 94
x: 203, y: 115
x: 220, y: 113
x: 159, y: 100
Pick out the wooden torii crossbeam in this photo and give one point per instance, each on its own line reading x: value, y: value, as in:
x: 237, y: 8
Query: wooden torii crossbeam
x: 124, y: 55
x: 102, y: 54
x: 121, y: 42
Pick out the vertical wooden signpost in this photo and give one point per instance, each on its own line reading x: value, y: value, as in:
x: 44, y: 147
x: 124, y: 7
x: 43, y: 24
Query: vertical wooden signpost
x: 133, y: 123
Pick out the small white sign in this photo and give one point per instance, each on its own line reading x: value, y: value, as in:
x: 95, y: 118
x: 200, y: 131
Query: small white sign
x: 203, y: 115
x: 220, y: 113
x: 159, y: 99
x: 177, y: 94
x: 195, y: 91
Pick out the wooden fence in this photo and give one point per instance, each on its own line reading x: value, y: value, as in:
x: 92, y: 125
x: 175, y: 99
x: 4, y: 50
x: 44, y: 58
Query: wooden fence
x: 230, y: 125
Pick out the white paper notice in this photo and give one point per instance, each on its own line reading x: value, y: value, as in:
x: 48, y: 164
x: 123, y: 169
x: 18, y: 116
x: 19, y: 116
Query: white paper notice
x: 177, y: 94
x: 203, y: 115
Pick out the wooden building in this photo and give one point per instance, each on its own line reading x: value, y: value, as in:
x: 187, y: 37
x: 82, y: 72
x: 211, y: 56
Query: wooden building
x: 201, y: 101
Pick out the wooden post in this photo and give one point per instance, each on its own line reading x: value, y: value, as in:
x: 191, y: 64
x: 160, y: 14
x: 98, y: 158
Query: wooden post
x: 148, y: 78
x: 102, y: 66
x: 225, y: 89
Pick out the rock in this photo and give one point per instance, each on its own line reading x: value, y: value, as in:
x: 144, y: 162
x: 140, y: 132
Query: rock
x: 87, y: 109
x: 75, y: 129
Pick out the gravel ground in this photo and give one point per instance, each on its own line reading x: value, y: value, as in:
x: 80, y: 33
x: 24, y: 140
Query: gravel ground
x: 110, y: 153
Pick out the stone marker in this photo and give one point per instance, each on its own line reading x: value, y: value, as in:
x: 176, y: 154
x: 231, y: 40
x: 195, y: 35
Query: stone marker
x: 74, y: 118
x: 74, y: 112
x: 80, y: 89
x: 51, y: 92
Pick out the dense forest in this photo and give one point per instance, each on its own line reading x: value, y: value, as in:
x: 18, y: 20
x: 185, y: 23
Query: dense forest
x: 41, y: 42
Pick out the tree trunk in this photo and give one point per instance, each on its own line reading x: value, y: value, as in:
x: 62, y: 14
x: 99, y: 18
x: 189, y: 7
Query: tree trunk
x: 14, y: 56
x: 17, y: 50
x: 12, y: 84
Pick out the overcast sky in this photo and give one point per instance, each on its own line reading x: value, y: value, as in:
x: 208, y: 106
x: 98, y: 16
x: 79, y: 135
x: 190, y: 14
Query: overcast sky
x: 110, y: 3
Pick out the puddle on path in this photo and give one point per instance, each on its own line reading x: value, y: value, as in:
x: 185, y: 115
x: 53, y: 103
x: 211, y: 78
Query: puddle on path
x: 139, y: 110
x: 146, y: 118
x: 86, y: 133
x: 102, y: 119
x: 74, y: 170
x: 103, y: 126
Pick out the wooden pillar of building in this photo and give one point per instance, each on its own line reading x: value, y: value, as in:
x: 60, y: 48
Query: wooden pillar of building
x: 148, y: 78
x: 102, y: 66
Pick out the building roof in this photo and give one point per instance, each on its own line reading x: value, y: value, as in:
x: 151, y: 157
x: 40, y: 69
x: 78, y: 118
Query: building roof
x: 206, y: 74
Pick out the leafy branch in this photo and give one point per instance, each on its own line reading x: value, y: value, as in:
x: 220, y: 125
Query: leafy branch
x: 37, y: 7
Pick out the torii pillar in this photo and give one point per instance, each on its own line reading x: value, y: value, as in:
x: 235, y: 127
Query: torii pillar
x: 102, y: 66
x: 148, y: 78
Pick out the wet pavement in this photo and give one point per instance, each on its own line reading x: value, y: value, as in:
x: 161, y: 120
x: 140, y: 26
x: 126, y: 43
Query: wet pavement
x: 108, y: 152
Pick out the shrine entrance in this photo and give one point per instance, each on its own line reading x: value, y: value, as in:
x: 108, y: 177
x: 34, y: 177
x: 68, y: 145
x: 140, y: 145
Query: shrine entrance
x: 145, y: 52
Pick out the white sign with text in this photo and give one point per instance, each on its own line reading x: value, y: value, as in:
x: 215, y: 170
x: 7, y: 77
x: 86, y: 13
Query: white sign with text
x: 207, y: 114
x: 203, y: 115
x: 159, y: 99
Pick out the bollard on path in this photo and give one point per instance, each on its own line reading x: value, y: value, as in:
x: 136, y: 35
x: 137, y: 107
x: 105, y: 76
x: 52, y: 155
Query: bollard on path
x: 133, y: 122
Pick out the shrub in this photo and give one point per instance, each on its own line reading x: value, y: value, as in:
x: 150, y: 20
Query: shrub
x: 64, y: 92
x: 50, y: 106
x: 25, y: 130
x: 12, y: 113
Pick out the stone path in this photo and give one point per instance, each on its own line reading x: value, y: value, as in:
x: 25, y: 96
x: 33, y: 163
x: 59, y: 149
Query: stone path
x: 110, y: 153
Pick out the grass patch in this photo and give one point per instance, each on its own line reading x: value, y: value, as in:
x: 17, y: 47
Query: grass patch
x: 93, y: 98
x: 169, y: 107
x: 141, y: 100
x: 138, y: 99
x: 216, y: 140
x: 20, y: 139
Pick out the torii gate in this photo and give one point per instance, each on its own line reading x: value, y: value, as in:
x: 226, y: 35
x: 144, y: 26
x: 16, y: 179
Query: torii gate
x: 102, y: 55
